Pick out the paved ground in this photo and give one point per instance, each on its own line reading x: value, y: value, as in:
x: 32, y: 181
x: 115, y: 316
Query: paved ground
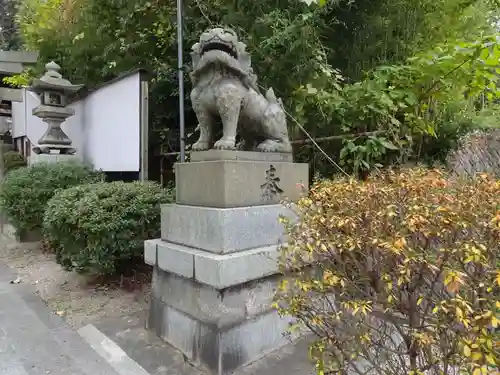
x: 34, y: 341
x: 158, y: 358
x: 79, y: 299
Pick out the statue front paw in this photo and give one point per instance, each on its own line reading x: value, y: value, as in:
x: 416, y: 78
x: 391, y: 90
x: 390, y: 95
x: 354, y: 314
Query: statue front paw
x: 270, y: 145
x: 225, y: 144
x: 200, y: 146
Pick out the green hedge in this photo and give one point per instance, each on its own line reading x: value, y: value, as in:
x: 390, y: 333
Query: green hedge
x: 13, y: 160
x: 26, y: 190
x: 97, y: 228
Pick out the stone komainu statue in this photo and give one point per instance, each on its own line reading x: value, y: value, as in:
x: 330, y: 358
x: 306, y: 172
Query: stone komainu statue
x: 225, y: 88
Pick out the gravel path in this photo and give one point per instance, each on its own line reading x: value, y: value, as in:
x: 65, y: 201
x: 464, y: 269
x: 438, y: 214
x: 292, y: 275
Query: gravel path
x: 67, y: 293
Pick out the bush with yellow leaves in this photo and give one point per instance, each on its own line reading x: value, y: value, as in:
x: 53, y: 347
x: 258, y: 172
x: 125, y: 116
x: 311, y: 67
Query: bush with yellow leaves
x: 398, y: 274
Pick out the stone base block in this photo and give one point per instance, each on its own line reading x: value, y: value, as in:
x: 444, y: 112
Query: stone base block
x: 218, y: 330
x: 52, y: 158
x: 220, y: 308
x: 238, y: 183
x: 217, y: 270
x: 223, y: 230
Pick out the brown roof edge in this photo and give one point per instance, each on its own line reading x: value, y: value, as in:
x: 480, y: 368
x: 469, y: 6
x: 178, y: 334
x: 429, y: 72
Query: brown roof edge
x: 83, y: 93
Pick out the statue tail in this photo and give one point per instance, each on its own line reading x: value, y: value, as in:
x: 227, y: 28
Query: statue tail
x: 271, y: 98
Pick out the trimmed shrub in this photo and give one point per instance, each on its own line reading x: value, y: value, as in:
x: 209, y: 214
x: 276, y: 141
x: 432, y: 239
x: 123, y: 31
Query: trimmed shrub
x: 26, y: 190
x: 13, y: 160
x: 397, y: 275
x: 98, y: 228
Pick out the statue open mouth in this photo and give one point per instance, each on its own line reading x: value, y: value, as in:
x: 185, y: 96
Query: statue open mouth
x: 219, y: 46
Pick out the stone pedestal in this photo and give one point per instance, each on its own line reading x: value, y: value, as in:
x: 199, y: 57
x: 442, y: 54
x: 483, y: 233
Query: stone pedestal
x: 52, y: 158
x: 215, y: 265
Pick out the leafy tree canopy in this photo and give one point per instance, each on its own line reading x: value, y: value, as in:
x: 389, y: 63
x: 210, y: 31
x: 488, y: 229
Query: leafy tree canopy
x: 8, y: 29
x: 398, y: 56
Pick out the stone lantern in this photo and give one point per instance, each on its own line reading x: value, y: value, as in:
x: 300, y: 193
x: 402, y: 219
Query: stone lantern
x: 53, y: 90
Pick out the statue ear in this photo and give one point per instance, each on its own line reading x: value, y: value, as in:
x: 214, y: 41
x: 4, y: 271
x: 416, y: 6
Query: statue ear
x: 244, y: 56
x: 195, y: 54
x: 229, y: 30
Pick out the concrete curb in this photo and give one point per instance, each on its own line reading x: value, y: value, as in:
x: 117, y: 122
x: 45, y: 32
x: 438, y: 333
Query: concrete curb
x: 110, y: 351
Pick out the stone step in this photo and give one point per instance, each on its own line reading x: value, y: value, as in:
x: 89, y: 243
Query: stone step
x: 159, y: 358
x: 34, y: 341
x: 219, y: 271
x: 223, y: 230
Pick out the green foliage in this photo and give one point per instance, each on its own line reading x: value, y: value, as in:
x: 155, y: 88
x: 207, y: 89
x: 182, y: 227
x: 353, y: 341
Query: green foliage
x: 96, y: 228
x: 397, y: 275
x: 20, y: 80
x: 9, y: 40
x: 408, y: 102
x: 327, y: 49
x: 13, y: 160
x: 26, y: 190
x: 131, y: 34
x: 386, y: 32
x: 364, y: 157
